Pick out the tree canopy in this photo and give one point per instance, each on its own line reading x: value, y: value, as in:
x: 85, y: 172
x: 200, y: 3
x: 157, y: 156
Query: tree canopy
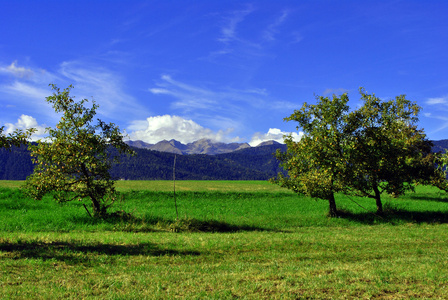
x: 389, y: 152
x: 73, y: 162
x: 317, y: 164
x: 374, y: 149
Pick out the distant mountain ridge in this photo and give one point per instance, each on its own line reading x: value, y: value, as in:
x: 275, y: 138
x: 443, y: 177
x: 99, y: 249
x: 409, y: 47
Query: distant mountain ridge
x: 202, y: 146
x: 244, y: 163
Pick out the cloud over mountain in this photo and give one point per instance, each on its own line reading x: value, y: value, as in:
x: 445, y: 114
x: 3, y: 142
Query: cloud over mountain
x: 166, y: 127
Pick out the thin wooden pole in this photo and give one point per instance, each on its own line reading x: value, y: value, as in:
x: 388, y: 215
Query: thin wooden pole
x: 174, y: 186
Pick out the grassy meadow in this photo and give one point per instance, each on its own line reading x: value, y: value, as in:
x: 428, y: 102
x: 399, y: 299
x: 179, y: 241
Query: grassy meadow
x: 233, y: 240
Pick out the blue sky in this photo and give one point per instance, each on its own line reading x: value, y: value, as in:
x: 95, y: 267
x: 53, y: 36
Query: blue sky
x: 225, y: 70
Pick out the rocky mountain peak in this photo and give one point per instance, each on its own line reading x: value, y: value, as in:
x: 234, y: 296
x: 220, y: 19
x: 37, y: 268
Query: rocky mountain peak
x: 202, y: 146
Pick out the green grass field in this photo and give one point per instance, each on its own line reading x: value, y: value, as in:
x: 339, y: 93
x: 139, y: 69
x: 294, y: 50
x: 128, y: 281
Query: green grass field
x: 234, y: 239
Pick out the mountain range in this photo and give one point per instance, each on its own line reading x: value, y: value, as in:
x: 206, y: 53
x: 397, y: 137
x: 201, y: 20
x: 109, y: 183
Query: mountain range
x: 201, y: 160
x: 202, y: 146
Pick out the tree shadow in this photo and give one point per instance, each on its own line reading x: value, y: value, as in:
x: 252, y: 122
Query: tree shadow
x: 213, y: 226
x: 131, y: 223
x: 77, y: 252
x: 397, y: 216
x: 439, y: 198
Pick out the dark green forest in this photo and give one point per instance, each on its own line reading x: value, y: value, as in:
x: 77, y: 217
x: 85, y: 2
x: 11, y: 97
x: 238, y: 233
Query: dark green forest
x: 257, y: 163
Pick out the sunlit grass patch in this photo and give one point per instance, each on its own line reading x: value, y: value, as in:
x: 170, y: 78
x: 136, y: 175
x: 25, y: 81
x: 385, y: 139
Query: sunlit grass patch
x: 225, y: 245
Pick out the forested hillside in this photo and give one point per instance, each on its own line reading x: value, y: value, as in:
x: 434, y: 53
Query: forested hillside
x: 256, y: 163
x: 15, y: 164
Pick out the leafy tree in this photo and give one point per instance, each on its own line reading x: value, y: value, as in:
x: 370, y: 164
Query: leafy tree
x: 374, y: 149
x: 318, y: 164
x: 17, y: 138
x: 389, y: 154
x: 439, y: 177
x: 73, y: 162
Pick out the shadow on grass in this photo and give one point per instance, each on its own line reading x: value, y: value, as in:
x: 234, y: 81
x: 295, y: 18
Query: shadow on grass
x: 76, y: 252
x: 438, y: 198
x: 130, y: 223
x: 397, y: 216
x: 195, y: 225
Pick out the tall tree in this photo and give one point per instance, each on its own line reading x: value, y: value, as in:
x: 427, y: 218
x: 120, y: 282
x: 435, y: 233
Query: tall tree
x: 317, y: 164
x: 389, y: 153
x: 374, y: 149
x: 73, y: 162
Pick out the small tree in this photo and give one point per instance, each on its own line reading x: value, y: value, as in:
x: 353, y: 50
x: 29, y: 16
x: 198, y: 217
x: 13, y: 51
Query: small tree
x: 389, y: 154
x: 74, y: 161
x: 317, y: 165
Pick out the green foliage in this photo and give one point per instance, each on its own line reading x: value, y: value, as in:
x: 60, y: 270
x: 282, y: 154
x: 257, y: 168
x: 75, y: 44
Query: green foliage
x: 318, y: 163
x: 388, y: 153
x: 374, y: 149
x: 17, y: 138
x: 74, y: 160
x: 439, y: 179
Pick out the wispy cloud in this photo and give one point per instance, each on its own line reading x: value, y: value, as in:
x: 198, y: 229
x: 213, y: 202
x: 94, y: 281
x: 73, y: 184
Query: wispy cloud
x: 208, y: 102
x: 439, y: 100
x: 336, y: 91
x: 229, y: 29
x: 222, y: 108
x: 440, y: 104
x: 442, y: 125
x: 27, y: 90
x: 273, y: 28
x: 17, y: 71
x: 104, y: 86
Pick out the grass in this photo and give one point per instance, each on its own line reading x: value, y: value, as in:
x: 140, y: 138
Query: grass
x: 248, y: 240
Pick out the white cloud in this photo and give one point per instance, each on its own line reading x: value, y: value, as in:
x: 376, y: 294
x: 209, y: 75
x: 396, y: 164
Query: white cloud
x: 158, y: 128
x: 218, y: 108
x: 439, y: 100
x: 17, y: 71
x: 35, y: 76
x: 273, y: 134
x: 26, y: 122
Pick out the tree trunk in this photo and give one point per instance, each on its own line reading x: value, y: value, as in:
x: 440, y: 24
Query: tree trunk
x: 379, y: 204
x: 332, y: 206
x: 97, y: 211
